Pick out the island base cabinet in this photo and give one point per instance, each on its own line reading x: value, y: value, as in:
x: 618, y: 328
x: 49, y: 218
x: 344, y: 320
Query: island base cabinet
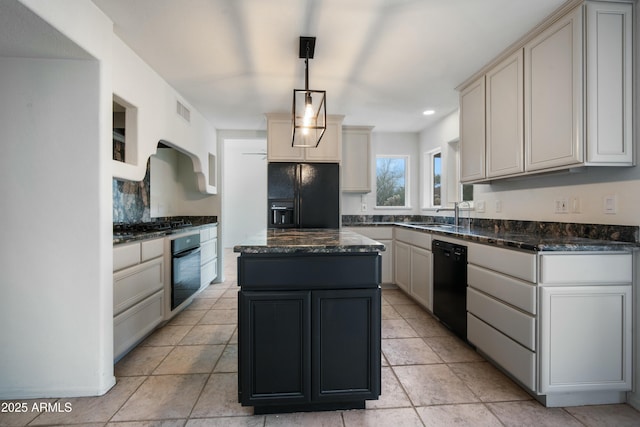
x: 274, y: 347
x: 308, y: 350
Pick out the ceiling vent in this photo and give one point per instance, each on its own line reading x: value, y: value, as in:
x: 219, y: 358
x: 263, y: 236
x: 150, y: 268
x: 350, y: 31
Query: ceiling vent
x: 183, y: 111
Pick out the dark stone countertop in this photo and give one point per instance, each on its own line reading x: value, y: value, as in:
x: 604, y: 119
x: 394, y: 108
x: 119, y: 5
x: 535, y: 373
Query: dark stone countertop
x: 308, y: 240
x: 515, y: 240
x: 147, y: 235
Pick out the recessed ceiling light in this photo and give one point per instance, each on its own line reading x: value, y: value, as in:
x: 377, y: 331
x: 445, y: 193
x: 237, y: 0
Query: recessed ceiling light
x: 428, y: 112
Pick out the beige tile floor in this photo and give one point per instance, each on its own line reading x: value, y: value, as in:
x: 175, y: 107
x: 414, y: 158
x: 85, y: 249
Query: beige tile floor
x: 185, y: 374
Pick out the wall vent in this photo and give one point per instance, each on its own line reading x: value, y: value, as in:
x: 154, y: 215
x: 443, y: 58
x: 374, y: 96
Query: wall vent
x: 183, y: 111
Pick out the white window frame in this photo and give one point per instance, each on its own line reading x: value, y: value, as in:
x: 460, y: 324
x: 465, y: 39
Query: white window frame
x: 429, y: 180
x: 407, y: 180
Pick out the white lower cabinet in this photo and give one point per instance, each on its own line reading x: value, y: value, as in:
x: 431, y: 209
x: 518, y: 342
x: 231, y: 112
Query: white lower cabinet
x: 585, y: 338
x: 384, y: 235
x: 585, y: 322
x: 421, y: 283
x: 517, y: 360
x: 566, y: 334
x: 413, y: 265
x: 402, y: 265
x: 138, y: 292
x: 208, y: 255
x: 132, y: 325
x: 501, y: 308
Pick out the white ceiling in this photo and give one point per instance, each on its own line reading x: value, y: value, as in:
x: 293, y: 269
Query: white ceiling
x: 382, y: 62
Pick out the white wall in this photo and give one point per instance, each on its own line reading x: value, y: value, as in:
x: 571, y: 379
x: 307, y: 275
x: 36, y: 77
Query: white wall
x: 173, y: 187
x: 57, y: 286
x: 140, y: 86
x: 388, y: 143
x: 56, y: 169
x: 57, y: 334
x: 441, y: 136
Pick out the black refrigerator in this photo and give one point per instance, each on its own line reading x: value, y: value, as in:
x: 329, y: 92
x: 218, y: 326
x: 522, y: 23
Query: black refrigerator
x: 303, y: 195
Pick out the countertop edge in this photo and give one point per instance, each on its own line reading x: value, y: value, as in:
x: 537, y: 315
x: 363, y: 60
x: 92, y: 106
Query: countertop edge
x: 516, y: 241
x: 148, y: 235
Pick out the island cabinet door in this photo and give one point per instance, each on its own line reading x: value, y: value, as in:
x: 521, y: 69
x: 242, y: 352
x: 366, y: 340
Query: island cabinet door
x: 346, y: 345
x: 274, y: 347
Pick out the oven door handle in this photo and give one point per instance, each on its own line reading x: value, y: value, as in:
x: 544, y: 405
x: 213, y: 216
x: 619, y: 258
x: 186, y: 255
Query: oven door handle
x: 186, y: 253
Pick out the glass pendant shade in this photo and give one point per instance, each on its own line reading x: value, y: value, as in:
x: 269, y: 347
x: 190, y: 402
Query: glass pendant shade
x: 309, y: 117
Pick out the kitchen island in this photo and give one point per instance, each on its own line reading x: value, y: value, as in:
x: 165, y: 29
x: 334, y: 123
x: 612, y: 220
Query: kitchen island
x: 309, y: 317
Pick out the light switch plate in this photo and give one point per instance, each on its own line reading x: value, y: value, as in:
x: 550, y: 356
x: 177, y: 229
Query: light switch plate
x: 610, y: 204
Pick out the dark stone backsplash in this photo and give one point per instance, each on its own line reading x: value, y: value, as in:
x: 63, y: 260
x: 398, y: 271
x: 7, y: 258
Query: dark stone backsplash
x: 618, y: 233
x: 131, y: 200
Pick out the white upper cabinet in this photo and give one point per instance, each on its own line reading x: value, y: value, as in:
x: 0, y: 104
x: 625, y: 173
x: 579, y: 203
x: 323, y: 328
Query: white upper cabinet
x: 356, y: 159
x: 576, y: 108
x: 504, y: 104
x: 279, y: 147
x: 609, y: 83
x: 472, y: 131
x: 553, y: 95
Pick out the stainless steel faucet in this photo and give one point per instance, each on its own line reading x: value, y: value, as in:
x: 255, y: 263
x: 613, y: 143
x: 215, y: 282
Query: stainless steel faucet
x: 456, y: 212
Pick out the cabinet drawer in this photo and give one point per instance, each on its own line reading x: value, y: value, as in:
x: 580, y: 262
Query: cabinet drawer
x: 600, y: 267
x: 208, y: 251
x: 513, y: 323
x: 204, y: 234
x: 507, y: 261
x: 152, y: 249
x: 415, y: 238
x: 208, y: 273
x: 375, y: 233
x: 126, y: 255
x: 132, y: 325
x: 517, y: 360
x: 516, y: 292
x: 135, y: 283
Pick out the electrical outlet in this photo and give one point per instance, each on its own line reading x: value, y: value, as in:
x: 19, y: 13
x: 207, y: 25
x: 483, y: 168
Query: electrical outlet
x: 562, y: 205
x: 363, y: 207
x: 479, y: 206
x: 498, y: 206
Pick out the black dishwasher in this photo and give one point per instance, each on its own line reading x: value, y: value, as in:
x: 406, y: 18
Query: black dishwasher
x: 450, y: 286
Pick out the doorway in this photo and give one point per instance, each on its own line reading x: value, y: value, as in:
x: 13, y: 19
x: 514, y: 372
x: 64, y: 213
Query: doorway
x: 245, y: 189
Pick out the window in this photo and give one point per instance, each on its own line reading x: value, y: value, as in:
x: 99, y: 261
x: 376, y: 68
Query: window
x: 391, y: 181
x: 434, y: 178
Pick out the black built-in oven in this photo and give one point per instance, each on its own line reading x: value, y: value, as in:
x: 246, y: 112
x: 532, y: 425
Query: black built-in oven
x: 185, y: 268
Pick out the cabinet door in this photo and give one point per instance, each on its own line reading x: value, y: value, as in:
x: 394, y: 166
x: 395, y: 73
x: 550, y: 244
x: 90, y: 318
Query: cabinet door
x: 585, y: 338
x: 472, y: 131
x: 346, y: 345
x: 274, y: 347
x: 356, y: 160
x: 553, y: 96
x: 421, y: 276
x: 505, y: 119
x: 279, y: 147
x: 330, y: 147
x: 402, y: 265
x: 609, y: 71
x: 387, y: 261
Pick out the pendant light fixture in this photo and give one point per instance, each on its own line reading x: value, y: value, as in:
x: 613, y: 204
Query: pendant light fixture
x: 309, y: 109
